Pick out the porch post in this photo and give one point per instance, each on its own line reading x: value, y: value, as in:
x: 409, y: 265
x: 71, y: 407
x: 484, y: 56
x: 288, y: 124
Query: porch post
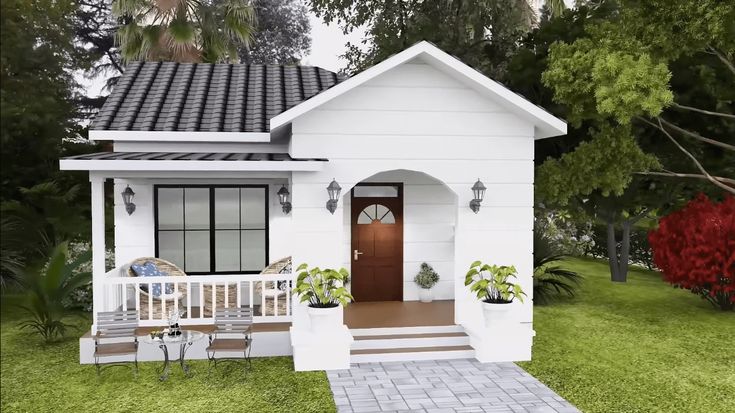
x: 98, y: 245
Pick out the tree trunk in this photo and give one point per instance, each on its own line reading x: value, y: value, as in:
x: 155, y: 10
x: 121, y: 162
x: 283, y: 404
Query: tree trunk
x: 624, y: 253
x: 612, y: 251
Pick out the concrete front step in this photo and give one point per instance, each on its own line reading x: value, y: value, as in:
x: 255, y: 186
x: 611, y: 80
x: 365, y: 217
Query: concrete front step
x: 410, y: 340
x: 411, y: 354
x: 410, y: 343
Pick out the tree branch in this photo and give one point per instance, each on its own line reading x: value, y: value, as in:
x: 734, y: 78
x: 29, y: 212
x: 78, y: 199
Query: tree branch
x: 706, y: 112
x: 723, y: 59
x: 688, y: 133
x: 696, y: 162
x: 685, y: 175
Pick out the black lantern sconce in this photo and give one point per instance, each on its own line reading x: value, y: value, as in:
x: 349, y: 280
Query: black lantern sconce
x: 127, y: 196
x: 283, y: 197
x: 333, y: 190
x: 478, y: 192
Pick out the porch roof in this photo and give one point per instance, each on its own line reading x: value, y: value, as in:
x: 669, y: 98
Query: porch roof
x: 189, y: 161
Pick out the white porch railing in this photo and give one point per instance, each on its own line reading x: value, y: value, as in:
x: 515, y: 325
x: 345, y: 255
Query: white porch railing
x: 197, y: 296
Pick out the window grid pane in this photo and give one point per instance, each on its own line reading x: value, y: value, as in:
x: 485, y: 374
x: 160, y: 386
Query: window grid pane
x: 218, y: 229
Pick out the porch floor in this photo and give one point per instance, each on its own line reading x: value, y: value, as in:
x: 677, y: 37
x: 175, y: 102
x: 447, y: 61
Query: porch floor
x: 383, y: 314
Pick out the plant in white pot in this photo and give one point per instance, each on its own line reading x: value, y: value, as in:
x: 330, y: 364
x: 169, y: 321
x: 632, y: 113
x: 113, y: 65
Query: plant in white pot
x: 325, y: 293
x: 492, y: 285
x: 426, y: 279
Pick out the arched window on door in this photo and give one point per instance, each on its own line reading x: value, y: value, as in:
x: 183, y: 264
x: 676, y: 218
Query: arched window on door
x: 376, y: 214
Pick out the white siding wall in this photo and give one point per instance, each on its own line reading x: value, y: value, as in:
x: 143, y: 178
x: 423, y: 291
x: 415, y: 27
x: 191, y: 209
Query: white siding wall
x: 417, y: 118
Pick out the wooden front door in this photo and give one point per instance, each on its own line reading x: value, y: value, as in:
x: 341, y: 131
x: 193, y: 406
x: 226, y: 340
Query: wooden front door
x: 377, y: 247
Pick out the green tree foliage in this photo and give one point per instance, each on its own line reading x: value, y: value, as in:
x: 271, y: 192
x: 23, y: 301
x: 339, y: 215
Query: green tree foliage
x: 481, y: 33
x: 281, y: 35
x: 183, y: 30
x: 622, y: 71
x: 47, y: 287
x: 37, y: 90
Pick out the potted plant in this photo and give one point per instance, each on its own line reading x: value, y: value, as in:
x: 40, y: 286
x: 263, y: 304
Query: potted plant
x: 491, y: 284
x: 426, y: 279
x: 324, y: 290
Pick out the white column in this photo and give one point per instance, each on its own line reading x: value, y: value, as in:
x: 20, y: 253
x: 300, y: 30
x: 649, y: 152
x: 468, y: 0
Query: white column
x: 98, y: 246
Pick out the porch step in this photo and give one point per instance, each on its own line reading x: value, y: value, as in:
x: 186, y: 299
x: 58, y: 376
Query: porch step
x: 411, y: 354
x: 410, y: 343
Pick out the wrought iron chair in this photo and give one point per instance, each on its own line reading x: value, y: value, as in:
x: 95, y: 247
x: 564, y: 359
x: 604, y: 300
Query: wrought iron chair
x: 232, y: 336
x: 113, y: 328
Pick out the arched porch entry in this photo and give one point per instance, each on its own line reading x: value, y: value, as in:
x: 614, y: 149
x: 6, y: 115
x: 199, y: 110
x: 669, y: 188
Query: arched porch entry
x: 393, y: 222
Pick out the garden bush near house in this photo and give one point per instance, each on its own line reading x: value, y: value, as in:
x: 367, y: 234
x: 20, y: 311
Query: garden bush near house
x: 695, y: 249
x: 46, y: 289
x: 81, y: 298
x: 550, y: 280
x: 570, y: 235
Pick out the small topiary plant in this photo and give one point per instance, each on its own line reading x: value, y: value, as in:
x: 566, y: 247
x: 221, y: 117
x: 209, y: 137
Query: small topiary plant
x: 427, y: 277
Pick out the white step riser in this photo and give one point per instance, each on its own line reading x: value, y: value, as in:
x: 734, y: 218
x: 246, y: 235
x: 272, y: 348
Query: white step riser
x: 421, y: 355
x: 411, y: 342
x: 392, y: 331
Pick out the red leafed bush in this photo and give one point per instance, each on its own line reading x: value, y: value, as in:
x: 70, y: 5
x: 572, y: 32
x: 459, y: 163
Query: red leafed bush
x: 695, y: 249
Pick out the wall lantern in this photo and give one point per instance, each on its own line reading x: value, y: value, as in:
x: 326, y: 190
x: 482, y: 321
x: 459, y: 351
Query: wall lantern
x: 478, y: 191
x: 283, y: 197
x: 333, y: 190
x: 127, y: 196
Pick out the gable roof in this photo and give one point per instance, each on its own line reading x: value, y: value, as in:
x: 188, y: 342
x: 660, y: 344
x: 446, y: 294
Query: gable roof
x: 203, y: 97
x: 546, y: 124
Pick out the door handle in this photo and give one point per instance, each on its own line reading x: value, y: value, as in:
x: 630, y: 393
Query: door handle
x: 357, y: 254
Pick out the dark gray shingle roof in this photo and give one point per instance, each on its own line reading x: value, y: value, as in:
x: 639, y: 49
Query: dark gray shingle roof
x: 204, y: 97
x: 187, y: 156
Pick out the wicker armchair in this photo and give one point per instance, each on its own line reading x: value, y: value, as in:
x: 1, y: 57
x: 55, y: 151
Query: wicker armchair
x: 164, y: 303
x: 272, y: 289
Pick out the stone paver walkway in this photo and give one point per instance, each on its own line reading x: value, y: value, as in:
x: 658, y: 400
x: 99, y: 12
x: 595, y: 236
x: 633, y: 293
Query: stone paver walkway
x: 442, y: 386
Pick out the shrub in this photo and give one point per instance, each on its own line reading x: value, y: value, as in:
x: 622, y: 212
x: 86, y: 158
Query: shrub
x: 322, y: 288
x: 491, y: 283
x: 695, y: 249
x: 46, y: 290
x: 427, y: 277
x: 549, y: 279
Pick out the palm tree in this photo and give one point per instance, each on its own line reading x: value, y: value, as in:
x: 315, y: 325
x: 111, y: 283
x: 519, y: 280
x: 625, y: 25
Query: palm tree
x: 183, y: 30
x: 549, y: 279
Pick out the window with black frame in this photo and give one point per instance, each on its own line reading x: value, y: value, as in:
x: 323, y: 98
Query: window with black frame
x: 213, y: 229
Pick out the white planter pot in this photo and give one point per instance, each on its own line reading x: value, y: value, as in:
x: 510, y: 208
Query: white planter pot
x: 495, y: 313
x: 324, y: 319
x: 426, y: 295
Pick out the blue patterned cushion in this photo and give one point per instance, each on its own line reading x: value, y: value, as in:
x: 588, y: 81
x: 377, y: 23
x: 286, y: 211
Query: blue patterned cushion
x: 149, y: 269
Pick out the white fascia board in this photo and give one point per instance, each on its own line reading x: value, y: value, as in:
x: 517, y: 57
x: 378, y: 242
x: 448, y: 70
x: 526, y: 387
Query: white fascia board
x: 177, y: 136
x: 187, y: 166
x: 547, y: 125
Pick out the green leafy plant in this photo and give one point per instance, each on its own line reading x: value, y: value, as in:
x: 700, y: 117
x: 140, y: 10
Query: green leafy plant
x: 46, y: 289
x: 427, y: 277
x: 491, y: 283
x: 549, y: 279
x: 322, y: 288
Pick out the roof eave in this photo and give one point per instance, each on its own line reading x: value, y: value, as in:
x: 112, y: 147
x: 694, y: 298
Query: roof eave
x: 179, y: 136
x: 188, y: 165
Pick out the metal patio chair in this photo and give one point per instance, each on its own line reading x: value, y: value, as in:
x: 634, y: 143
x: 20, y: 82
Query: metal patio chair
x: 116, y: 338
x: 231, y: 339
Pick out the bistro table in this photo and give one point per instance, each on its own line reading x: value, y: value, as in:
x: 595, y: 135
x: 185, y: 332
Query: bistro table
x: 183, y: 340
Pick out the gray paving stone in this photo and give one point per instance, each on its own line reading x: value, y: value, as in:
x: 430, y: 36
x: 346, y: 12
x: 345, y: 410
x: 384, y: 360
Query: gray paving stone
x: 439, y: 386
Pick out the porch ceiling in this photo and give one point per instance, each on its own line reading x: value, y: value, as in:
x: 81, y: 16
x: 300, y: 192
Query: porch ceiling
x: 187, y: 161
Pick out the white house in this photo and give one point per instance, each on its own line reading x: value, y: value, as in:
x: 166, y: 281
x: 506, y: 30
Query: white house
x: 206, y: 147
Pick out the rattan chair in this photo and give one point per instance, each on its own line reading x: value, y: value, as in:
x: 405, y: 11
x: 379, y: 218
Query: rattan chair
x: 273, y: 289
x: 116, y: 338
x: 231, y: 339
x: 159, y: 311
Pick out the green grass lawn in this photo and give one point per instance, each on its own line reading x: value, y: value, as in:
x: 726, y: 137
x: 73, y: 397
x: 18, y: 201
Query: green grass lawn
x: 641, y: 346
x: 636, y: 347
x: 48, y: 378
